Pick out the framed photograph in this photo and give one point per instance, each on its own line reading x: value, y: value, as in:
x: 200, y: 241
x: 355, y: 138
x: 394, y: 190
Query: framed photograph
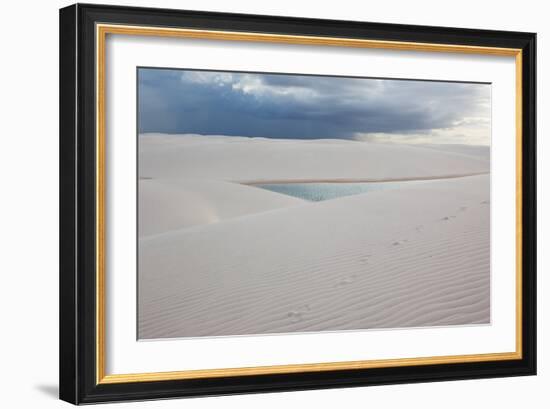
x: 257, y: 203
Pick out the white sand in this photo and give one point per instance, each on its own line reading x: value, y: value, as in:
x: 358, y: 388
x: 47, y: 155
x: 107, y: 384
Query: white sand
x: 253, y: 160
x: 220, y: 258
x: 480, y: 152
x: 166, y: 205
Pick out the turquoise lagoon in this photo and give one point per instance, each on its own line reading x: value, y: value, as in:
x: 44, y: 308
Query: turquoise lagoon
x: 317, y: 192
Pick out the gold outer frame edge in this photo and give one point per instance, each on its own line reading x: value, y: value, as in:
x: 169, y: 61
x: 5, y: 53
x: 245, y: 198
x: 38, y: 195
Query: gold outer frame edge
x: 285, y: 369
x: 100, y: 205
x: 519, y: 203
x: 101, y: 32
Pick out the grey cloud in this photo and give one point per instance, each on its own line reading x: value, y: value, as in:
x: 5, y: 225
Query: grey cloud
x: 296, y: 106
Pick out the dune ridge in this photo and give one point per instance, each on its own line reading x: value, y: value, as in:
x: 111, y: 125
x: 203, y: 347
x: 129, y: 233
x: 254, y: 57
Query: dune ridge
x: 171, y: 204
x: 239, y: 159
x: 359, y: 180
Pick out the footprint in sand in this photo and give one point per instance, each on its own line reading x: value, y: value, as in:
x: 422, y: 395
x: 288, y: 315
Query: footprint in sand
x: 419, y: 229
x: 346, y: 280
x: 462, y: 208
x: 295, y: 316
x: 484, y: 202
x: 365, y: 259
x: 298, y: 314
x: 447, y: 218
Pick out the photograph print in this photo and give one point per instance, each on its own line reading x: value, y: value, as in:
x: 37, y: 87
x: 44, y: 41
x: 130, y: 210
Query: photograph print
x: 278, y: 203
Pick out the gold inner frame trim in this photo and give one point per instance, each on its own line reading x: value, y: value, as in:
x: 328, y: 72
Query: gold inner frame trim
x: 101, y: 33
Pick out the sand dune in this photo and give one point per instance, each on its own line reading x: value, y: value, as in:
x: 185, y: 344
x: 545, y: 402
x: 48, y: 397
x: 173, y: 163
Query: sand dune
x: 173, y: 204
x: 476, y: 151
x: 415, y: 256
x: 252, y: 160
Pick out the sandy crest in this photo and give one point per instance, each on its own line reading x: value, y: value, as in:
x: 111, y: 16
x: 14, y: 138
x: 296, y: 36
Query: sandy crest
x: 251, y: 160
x: 172, y: 204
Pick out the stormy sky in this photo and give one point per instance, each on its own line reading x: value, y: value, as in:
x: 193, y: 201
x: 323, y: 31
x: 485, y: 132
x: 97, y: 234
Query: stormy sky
x: 312, y: 107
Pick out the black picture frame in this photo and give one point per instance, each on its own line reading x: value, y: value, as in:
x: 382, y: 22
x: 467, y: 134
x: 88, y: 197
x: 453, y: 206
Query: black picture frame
x: 78, y: 313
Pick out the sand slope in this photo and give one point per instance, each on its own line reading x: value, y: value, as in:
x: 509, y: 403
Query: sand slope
x: 257, y: 159
x: 171, y: 204
x: 411, y: 257
x: 480, y: 152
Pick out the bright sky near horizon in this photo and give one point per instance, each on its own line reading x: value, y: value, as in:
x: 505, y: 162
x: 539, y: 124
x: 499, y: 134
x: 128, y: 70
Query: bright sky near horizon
x: 313, y: 107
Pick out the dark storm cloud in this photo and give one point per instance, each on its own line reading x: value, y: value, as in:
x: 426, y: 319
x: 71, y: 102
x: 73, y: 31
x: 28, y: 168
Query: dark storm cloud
x: 307, y: 107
